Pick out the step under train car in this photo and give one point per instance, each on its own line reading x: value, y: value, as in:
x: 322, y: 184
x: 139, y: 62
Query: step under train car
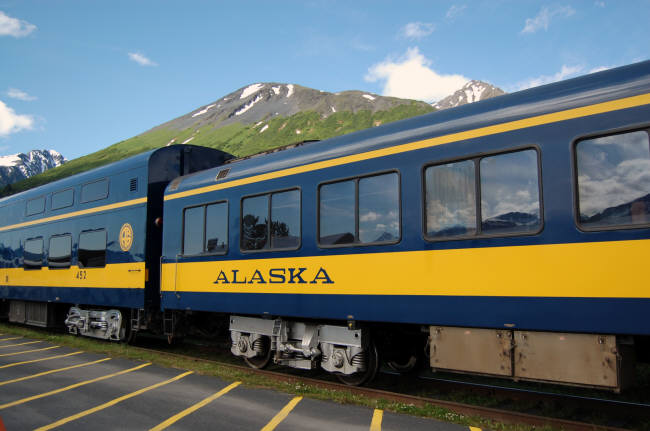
x: 85, y: 250
x: 507, y: 238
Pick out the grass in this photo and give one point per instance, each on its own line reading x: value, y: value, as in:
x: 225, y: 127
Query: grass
x: 229, y: 374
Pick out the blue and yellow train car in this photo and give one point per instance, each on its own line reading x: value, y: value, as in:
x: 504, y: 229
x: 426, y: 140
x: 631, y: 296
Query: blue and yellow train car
x: 514, y: 232
x: 89, y: 245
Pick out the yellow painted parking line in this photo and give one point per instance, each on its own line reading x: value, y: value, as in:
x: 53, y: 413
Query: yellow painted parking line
x: 282, y: 414
x: 67, y: 388
x: 39, y: 360
x: 474, y: 429
x: 377, y: 417
x: 20, y: 344
x: 30, y: 351
x: 13, y: 338
x: 44, y: 373
x: 110, y: 403
x: 194, y: 408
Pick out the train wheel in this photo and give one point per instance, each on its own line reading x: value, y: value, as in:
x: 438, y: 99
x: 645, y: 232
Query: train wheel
x: 403, y: 366
x: 261, y: 361
x: 363, y: 377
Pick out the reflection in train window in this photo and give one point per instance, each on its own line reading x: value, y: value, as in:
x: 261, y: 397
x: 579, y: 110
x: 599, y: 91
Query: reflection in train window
x: 216, y: 228
x: 33, y: 253
x: 510, y: 193
x: 450, y: 199
x: 614, y: 180
x: 363, y: 210
x: 62, y: 199
x: 508, y: 186
x: 60, y: 252
x: 92, y: 249
x: 271, y: 221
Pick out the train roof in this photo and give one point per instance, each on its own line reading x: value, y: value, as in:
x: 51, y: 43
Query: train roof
x: 590, y: 89
x: 139, y: 160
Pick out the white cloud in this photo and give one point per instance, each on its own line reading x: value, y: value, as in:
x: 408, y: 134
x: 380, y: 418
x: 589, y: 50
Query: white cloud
x: 15, y: 93
x: 141, y: 59
x: 455, y: 11
x: 10, y: 122
x: 417, y: 30
x: 544, y: 17
x: 411, y: 77
x: 599, y: 3
x: 14, y: 27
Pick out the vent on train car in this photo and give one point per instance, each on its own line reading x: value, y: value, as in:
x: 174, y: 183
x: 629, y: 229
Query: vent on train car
x: 222, y: 174
x: 133, y: 184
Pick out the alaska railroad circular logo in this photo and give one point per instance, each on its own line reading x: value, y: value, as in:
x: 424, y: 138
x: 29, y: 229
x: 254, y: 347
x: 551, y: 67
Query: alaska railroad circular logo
x: 126, y: 237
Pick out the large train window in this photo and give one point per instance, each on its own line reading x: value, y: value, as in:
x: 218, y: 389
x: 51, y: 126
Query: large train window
x: 33, y: 253
x: 62, y: 199
x: 35, y: 206
x: 92, y: 249
x: 613, y: 177
x: 205, y: 229
x: 60, y: 252
x: 94, y: 191
x: 271, y: 221
x: 360, y: 211
x: 490, y: 195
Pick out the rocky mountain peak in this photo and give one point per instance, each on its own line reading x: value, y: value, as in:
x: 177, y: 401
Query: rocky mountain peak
x: 471, y: 92
x: 17, y: 167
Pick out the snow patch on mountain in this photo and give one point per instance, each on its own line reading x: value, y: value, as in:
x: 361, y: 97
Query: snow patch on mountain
x: 250, y: 90
x: 203, y: 111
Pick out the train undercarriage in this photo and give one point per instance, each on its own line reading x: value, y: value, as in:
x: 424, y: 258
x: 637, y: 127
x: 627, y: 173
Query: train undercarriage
x: 352, y: 351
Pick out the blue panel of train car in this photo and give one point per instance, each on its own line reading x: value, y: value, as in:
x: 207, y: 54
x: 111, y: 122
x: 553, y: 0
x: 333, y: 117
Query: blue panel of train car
x: 515, y: 212
x: 92, y: 238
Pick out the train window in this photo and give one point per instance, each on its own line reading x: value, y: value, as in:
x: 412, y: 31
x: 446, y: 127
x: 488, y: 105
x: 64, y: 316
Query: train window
x: 216, y: 228
x: 613, y: 180
x: 60, y: 251
x: 277, y: 213
x: 92, y: 249
x: 285, y: 219
x: 33, y: 253
x: 379, y: 209
x: 35, y: 206
x: 62, y: 199
x: 505, y: 187
x: 193, y: 230
x: 255, y: 217
x: 450, y: 199
x: 337, y: 213
x: 94, y: 191
x: 363, y: 210
x: 510, y: 193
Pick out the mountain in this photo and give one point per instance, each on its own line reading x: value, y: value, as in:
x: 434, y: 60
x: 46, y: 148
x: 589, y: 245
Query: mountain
x: 21, y: 166
x: 254, y: 118
x: 471, y: 92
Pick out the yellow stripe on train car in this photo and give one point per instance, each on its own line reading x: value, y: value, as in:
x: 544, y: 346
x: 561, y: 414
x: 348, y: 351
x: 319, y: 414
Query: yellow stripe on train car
x: 117, y: 275
x: 590, y: 270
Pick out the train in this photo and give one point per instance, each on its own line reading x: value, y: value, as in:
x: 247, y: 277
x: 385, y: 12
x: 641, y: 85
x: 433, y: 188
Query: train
x: 504, y: 238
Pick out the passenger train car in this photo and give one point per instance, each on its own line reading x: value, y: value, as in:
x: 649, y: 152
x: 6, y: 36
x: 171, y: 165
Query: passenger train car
x: 506, y: 238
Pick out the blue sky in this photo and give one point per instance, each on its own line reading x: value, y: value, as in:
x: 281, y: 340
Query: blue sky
x: 78, y: 76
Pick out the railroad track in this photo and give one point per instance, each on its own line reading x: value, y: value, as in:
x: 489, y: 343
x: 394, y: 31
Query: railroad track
x: 624, y: 415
